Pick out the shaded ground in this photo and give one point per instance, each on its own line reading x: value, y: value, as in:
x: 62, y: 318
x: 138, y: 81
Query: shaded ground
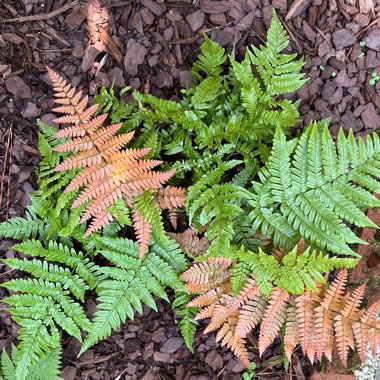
x: 150, y: 45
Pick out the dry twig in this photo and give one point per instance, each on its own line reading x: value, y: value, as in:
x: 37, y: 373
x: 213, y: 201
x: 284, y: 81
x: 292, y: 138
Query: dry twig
x: 44, y: 16
x: 7, y: 157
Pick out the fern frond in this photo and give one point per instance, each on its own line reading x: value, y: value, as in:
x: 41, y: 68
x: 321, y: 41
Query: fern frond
x: 107, y: 173
x: 60, y: 253
x: 313, y: 204
x: 317, y: 318
x: 187, y: 323
x: 40, y: 309
x: 21, y: 228
x: 211, y: 59
x: 131, y: 283
x: 280, y: 72
x: 273, y: 319
x: 204, y: 276
x: 190, y: 243
x: 292, y: 336
x: 170, y: 197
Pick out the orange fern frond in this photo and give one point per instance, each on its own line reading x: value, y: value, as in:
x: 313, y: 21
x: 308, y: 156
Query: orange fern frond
x: 334, y: 294
x: 344, y: 337
x: 81, y: 118
x: 107, y: 171
x: 203, y: 276
x: 190, y: 243
x: 207, y: 298
x: 324, y: 330
x: 207, y: 312
x: 88, y: 142
x: 246, y: 294
x: 370, y: 322
x: 304, y: 308
x: 73, y: 105
x: 316, y: 318
x: 173, y: 218
x: 274, y: 318
x: 143, y: 231
x: 250, y: 315
x: 77, y: 130
x: 361, y: 336
x: 231, y: 340
x: 89, y: 175
x: 292, y: 335
x: 323, y: 315
x: 354, y: 301
x: 170, y: 197
x: 221, y: 313
x: 223, y: 262
x: 98, y: 222
x: 344, y: 334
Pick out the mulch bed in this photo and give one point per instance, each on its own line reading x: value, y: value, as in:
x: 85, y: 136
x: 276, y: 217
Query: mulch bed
x: 150, y: 45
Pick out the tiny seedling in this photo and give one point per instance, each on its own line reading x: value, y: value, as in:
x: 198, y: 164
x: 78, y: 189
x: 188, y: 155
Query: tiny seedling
x: 361, y: 54
x: 374, y: 78
x: 333, y: 74
x: 250, y: 373
x: 321, y: 67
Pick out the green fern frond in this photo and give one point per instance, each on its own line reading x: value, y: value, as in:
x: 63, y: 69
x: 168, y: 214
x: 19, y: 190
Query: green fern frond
x: 48, y: 367
x: 121, y: 212
x: 148, y: 209
x: 60, y: 253
x: 132, y: 282
x: 206, y: 92
x: 310, y: 189
x: 187, y: 323
x: 279, y: 72
x: 40, y: 309
x: 51, y: 273
x: 8, y: 368
x: 21, y: 228
x: 210, y: 61
x: 295, y: 272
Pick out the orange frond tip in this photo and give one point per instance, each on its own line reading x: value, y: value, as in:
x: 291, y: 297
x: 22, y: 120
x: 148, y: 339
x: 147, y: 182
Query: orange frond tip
x: 143, y: 231
x: 273, y: 319
x: 190, y: 243
x: 98, y: 223
x: 171, y: 197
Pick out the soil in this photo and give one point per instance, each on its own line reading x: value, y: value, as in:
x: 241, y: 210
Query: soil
x: 150, y: 45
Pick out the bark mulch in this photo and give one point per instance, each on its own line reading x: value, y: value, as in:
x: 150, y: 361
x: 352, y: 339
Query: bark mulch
x: 150, y: 45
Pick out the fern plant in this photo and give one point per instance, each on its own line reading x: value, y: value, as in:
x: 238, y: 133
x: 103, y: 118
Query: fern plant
x: 63, y: 264
x: 46, y: 368
x: 269, y: 214
x: 319, y: 317
x: 254, y: 192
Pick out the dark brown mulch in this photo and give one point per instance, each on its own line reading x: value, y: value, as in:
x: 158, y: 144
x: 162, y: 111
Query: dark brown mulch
x: 151, y: 45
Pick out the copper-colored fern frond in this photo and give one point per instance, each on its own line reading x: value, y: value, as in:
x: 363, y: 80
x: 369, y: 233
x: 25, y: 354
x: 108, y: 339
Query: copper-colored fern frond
x: 292, y: 335
x: 251, y: 314
x: 316, y: 319
x: 204, y: 276
x: 274, y: 318
x: 304, y: 309
x: 173, y: 218
x: 245, y: 295
x: 143, y: 231
x: 207, y: 298
x: 231, y: 340
x: 334, y: 294
x: 107, y: 171
x: 190, y: 243
x: 170, y: 197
